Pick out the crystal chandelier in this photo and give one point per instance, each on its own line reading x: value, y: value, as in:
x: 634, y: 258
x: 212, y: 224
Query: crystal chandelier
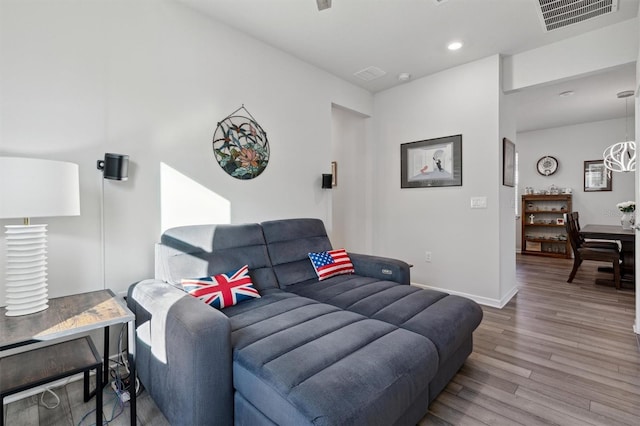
x: 621, y: 156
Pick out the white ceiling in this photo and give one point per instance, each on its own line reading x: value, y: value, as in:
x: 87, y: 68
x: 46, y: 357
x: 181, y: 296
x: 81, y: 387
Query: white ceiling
x: 594, y: 99
x: 410, y: 36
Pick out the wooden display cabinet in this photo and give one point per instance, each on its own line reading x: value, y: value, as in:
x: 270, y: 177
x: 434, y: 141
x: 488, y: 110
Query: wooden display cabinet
x: 543, y: 231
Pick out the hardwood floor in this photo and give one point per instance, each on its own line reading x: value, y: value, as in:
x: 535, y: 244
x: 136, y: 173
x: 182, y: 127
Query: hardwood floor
x: 558, y: 353
x: 72, y: 410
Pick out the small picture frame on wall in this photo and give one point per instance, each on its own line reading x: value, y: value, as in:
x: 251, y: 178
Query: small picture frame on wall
x: 334, y: 173
x: 431, y: 163
x: 597, y: 177
x: 508, y: 163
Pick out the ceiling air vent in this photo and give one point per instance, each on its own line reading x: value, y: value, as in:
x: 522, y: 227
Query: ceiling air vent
x: 370, y: 73
x: 556, y: 14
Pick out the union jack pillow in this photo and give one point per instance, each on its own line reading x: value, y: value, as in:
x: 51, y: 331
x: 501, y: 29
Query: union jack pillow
x: 331, y: 263
x: 221, y: 291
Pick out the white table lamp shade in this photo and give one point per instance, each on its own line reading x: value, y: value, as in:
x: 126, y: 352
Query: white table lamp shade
x: 33, y: 188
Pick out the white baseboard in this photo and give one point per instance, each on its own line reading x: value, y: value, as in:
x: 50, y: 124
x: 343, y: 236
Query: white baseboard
x: 494, y: 303
x: 507, y: 297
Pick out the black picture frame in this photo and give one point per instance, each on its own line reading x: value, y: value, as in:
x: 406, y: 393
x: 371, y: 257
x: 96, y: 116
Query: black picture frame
x: 431, y: 163
x: 597, y: 177
x: 508, y: 163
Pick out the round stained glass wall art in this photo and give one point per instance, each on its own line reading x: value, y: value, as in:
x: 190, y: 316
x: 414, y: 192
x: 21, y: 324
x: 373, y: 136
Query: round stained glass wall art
x: 241, y: 147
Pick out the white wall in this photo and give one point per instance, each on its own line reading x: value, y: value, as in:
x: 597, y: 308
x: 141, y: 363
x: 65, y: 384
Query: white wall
x: 590, y: 52
x: 152, y: 79
x: 351, y: 198
x: 571, y: 146
x: 508, y: 223
x: 407, y: 222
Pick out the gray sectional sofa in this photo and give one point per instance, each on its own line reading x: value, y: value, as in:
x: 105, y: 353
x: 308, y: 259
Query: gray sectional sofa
x: 358, y: 349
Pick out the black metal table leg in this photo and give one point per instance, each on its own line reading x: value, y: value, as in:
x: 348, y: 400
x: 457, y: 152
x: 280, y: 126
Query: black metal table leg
x: 131, y: 357
x: 105, y: 379
x: 99, y: 386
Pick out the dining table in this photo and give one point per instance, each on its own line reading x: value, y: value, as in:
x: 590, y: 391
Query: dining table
x: 627, y: 238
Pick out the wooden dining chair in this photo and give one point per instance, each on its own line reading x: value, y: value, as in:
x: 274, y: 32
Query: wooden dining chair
x: 584, y: 251
x: 575, y: 216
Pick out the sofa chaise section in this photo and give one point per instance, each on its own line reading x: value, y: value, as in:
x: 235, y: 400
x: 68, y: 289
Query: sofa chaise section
x: 297, y: 362
x: 446, y: 320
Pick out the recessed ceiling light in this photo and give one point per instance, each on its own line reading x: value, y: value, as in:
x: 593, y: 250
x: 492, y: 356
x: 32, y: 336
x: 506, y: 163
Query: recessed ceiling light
x: 454, y: 45
x: 566, y: 93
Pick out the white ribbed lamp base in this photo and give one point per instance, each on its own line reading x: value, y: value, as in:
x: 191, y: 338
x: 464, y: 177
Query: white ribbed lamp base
x: 26, y: 284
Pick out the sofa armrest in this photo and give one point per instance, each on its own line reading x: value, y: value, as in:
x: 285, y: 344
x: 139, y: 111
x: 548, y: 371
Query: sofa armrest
x: 183, y: 354
x: 383, y: 268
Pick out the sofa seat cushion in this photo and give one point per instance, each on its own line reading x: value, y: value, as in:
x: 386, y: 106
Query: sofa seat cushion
x: 444, y: 319
x: 303, y: 362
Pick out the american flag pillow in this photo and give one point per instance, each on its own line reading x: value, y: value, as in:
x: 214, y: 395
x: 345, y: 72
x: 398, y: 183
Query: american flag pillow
x: 331, y: 263
x: 221, y: 291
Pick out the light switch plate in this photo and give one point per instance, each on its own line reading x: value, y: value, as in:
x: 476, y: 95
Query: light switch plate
x: 478, y: 202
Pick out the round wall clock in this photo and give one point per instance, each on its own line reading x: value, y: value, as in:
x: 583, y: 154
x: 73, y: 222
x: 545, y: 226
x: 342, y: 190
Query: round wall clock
x: 240, y: 146
x: 547, y: 165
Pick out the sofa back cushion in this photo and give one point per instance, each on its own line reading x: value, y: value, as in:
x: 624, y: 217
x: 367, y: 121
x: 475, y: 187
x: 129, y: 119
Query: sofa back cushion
x: 206, y: 250
x: 289, y: 242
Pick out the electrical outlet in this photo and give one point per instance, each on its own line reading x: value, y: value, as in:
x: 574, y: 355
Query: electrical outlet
x: 427, y: 256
